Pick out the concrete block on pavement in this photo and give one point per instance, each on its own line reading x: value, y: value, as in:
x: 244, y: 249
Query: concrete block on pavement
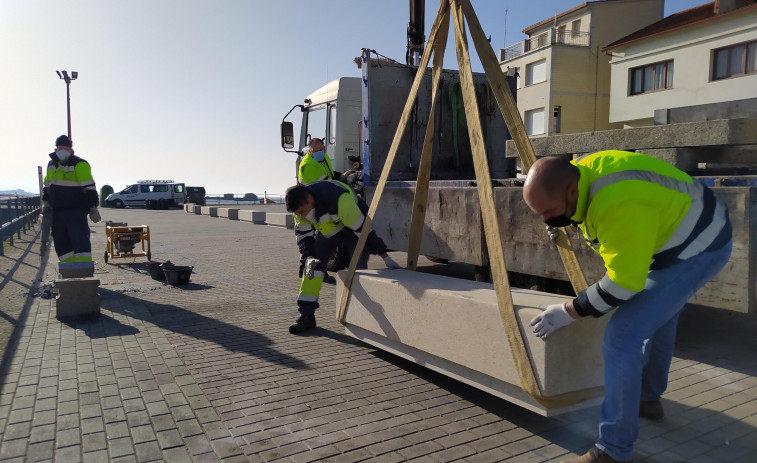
x: 280, y: 219
x: 248, y: 215
x: 209, y: 210
x: 189, y: 208
x: 197, y: 209
x: 454, y: 326
x: 76, y: 269
x: 229, y: 213
x: 77, y: 298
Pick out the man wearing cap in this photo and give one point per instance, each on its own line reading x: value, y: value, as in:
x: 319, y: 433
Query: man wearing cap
x: 70, y: 194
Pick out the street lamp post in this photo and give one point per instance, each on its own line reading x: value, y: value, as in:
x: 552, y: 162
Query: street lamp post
x: 66, y: 78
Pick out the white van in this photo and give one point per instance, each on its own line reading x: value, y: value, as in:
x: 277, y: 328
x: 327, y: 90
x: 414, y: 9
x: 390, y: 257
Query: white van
x: 154, y: 194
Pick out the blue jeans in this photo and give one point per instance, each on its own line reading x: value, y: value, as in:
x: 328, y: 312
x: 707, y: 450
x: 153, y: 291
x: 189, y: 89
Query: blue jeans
x: 638, y: 346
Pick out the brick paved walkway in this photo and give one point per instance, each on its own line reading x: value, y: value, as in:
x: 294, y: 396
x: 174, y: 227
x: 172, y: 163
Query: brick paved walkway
x: 208, y: 371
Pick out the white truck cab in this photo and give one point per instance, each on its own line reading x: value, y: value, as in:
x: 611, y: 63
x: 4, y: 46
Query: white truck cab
x: 333, y: 113
x: 161, y: 194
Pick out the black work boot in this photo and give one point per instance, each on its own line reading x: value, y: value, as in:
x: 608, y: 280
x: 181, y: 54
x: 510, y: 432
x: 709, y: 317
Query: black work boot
x: 304, y: 323
x: 651, y: 409
x: 328, y: 279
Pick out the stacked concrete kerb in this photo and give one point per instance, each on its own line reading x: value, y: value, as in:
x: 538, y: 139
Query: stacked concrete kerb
x: 211, y: 211
x: 280, y: 219
x: 229, y: 213
x: 248, y: 215
x: 77, y: 291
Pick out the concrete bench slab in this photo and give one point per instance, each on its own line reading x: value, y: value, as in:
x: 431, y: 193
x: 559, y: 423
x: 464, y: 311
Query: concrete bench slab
x: 280, y: 219
x: 453, y: 326
x: 229, y: 213
x: 76, y: 269
x: 209, y: 210
x: 77, y: 298
x: 248, y: 215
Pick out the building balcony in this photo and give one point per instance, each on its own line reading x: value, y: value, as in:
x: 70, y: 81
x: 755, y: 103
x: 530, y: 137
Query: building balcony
x: 551, y: 37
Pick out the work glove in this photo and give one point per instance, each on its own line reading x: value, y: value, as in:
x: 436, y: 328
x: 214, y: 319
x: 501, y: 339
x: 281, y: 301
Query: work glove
x: 553, y: 232
x: 390, y: 263
x: 552, y: 319
x: 46, y: 207
x: 310, y: 266
x: 94, y: 214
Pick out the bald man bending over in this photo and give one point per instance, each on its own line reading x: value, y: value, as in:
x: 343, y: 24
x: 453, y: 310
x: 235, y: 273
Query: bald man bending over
x: 662, y: 235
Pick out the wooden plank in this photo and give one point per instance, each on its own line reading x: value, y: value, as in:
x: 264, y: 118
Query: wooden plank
x: 420, y: 199
x: 489, y: 215
x: 443, y: 11
x: 518, y: 131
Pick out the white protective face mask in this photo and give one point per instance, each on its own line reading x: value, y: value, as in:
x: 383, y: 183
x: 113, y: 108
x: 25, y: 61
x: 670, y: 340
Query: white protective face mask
x: 63, y: 155
x: 311, y: 215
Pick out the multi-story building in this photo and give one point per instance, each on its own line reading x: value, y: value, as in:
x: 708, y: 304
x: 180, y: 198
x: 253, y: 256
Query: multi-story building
x: 698, y: 64
x: 564, y: 77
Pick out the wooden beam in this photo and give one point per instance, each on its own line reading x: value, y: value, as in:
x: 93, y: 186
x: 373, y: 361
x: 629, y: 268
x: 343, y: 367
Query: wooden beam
x: 488, y: 211
x: 443, y: 11
x: 518, y: 131
x: 420, y: 199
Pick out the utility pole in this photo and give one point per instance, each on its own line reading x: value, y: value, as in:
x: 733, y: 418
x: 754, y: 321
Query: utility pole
x: 67, y: 79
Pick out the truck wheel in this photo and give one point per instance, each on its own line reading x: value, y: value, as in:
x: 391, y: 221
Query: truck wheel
x: 339, y: 259
x: 118, y: 204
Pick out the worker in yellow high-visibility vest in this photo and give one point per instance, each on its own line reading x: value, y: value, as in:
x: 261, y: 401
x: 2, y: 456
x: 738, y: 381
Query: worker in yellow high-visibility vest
x: 326, y: 213
x: 70, y: 194
x: 316, y: 166
x: 662, y: 236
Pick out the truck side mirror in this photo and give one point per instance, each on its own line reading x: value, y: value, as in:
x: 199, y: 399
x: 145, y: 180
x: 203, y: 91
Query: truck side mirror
x: 287, y: 135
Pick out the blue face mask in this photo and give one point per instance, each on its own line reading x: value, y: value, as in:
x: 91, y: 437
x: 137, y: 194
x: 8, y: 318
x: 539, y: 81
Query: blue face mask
x: 319, y: 155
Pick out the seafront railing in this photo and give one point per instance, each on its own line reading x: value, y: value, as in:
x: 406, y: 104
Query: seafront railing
x: 17, y: 214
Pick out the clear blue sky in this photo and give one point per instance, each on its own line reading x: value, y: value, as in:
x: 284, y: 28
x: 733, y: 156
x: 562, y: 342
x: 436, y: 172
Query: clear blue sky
x: 194, y: 90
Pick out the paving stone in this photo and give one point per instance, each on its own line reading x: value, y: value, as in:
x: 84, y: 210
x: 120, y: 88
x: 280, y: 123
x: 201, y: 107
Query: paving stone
x: 148, y: 451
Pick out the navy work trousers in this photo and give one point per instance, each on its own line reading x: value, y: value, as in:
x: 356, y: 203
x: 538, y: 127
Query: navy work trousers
x: 70, y: 232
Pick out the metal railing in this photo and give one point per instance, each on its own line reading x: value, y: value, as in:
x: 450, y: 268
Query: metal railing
x: 579, y: 39
x: 545, y: 39
x: 248, y: 198
x: 17, y: 214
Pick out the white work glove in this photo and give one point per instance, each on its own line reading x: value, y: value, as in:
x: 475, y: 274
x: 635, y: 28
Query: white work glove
x: 390, y: 263
x: 310, y: 266
x: 46, y: 207
x: 551, y: 320
x: 94, y: 214
x: 553, y: 232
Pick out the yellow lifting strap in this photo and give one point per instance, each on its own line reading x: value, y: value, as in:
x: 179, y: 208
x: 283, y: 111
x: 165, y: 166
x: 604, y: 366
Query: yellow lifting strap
x: 437, y: 39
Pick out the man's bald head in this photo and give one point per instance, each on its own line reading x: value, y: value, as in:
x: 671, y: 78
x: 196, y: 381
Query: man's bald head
x: 551, y: 182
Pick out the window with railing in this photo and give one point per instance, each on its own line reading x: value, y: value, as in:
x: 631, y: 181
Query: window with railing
x: 734, y: 60
x: 652, y: 77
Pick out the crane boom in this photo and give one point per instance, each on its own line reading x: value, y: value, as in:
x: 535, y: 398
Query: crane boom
x: 415, y: 32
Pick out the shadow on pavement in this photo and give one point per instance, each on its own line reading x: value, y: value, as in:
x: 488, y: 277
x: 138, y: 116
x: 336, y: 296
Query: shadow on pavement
x: 198, y: 326
x: 101, y: 327
x: 19, y: 258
